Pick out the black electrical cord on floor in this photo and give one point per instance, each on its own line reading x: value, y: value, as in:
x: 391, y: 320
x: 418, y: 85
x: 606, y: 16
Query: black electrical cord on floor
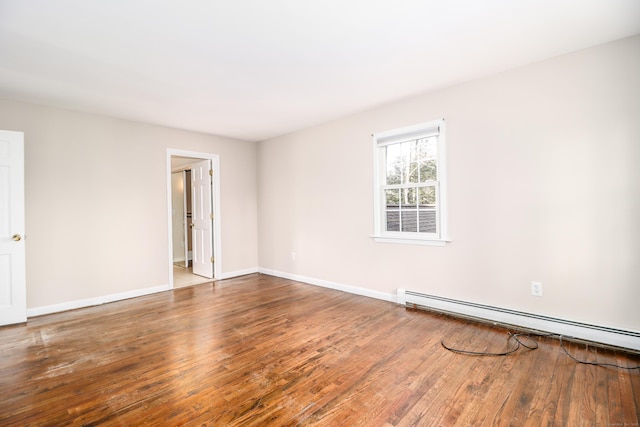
x: 584, y: 362
x: 518, y: 338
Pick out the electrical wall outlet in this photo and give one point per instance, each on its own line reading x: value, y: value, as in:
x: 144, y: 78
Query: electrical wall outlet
x: 293, y: 256
x: 536, y: 289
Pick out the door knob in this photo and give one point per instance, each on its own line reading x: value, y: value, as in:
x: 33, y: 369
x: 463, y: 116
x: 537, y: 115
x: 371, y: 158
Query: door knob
x: 16, y: 237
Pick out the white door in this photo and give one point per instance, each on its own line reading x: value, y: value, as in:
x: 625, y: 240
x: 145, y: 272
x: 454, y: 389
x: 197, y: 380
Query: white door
x: 202, y: 218
x: 13, y: 295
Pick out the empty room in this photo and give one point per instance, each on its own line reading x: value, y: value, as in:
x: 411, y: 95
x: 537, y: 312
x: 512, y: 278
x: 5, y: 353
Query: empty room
x: 355, y: 213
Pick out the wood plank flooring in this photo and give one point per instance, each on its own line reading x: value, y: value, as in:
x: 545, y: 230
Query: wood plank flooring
x: 262, y: 351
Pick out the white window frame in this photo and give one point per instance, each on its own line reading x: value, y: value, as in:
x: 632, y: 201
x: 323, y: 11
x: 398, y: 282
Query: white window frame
x: 380, y: 141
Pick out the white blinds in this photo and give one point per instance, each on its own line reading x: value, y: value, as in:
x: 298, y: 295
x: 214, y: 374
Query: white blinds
x: 409, y: 133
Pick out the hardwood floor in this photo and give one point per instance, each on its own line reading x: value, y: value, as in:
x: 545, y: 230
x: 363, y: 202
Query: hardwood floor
x: 260, y: 350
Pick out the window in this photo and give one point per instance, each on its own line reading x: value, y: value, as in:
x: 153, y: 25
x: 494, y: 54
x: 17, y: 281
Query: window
x: 410, y: 192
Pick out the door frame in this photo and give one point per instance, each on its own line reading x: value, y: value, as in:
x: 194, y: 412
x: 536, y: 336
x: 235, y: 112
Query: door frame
x: 217, y: 245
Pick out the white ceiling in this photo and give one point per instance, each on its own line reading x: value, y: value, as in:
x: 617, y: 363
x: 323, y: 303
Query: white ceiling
x: 254, y: 69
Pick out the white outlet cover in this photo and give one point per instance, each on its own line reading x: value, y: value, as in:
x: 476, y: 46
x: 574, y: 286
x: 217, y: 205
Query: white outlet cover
x: 536, y: 289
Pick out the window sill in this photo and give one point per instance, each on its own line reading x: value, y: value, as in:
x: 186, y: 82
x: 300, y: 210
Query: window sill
x: 410, y: 241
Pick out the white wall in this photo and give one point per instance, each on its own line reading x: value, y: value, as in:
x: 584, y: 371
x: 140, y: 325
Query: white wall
x: 96, y: 202
x: 544, y: 185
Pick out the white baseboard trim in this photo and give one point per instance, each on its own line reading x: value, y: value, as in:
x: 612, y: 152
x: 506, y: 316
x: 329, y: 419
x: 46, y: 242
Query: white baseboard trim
x: 331, y: 285
x: 238, y: 273
x: 568, y: 328
x: 70, y: 305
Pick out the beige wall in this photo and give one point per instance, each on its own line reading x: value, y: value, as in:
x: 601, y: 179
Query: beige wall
x: 544, y: 185
x: 96, y: 202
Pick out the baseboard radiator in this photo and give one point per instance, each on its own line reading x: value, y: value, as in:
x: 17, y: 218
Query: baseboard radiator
x: 528, y: 321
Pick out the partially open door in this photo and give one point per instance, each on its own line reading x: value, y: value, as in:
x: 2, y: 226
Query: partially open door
x: 13, y: 294
x: 202, y: 218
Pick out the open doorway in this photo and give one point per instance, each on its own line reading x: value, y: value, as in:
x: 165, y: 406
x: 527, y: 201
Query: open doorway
x: 193, y: 217
x: 181, y: 208
x: 181, y: 223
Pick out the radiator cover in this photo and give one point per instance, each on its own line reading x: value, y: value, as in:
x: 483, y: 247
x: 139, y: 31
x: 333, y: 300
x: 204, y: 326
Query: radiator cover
x: 497, y: 315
